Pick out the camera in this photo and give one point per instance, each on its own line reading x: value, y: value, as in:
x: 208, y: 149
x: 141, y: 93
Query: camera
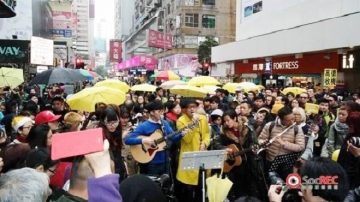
x: 355, y: 141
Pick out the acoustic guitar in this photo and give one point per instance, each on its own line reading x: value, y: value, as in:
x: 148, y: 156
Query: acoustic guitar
x: 144, y: 153
x: 234, y: 159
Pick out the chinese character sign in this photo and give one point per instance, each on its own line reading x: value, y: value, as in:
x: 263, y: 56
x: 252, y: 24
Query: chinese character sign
x: 330, y: 77
x: 115, y: 51
x: 159, y: 40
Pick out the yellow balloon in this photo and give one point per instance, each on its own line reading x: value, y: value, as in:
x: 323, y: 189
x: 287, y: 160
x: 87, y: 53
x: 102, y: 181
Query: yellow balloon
x: 335, y: 155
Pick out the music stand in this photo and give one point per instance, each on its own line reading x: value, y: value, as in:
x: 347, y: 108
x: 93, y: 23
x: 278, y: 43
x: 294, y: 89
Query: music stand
x: 203, y: 160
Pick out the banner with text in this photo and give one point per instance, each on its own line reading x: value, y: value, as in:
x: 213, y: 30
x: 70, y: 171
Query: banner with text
x: 115, y: 50
x: 159, y: 40
x: 330, y: 77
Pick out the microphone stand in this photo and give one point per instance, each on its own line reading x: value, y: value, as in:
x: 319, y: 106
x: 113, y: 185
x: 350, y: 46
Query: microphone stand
x: 170, y: 195
x: 168, y: 163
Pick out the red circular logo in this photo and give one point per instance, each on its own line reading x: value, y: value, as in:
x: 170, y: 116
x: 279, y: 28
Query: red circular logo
x: 293, y: 181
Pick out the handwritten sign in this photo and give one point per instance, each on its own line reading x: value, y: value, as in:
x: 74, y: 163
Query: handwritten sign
x: 311, y: 108
x: 330, y: 77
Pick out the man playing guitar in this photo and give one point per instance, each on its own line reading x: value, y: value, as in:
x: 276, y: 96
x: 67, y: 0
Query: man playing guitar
x: 141, y: 136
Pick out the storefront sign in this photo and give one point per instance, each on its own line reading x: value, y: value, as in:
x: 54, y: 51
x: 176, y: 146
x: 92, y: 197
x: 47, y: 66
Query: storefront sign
x: 330, y: 77
x: 14, y: 51
x: 286, y: 65
x: 159, y: 40
x: 115, y: 51
x: 312, y: 63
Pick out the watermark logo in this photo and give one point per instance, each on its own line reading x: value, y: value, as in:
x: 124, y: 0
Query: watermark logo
x: 323, y: 182
x: 293, y: 181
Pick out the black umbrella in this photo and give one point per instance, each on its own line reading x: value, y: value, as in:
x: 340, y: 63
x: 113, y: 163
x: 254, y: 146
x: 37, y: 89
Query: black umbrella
x: 58, y: 75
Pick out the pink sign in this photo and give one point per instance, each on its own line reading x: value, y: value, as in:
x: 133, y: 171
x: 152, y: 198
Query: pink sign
x: 159, y: 40
x: 115, y: 51
x: 120, y: 66
x: 149, y: 62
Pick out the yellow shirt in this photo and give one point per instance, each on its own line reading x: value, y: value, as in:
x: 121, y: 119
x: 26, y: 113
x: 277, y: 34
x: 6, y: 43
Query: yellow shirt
x: 191, y: 142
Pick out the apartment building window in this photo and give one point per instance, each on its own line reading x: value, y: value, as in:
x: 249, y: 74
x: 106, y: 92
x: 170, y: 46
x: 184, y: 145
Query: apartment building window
x: 191, y: 20
x: 209, y: 2
x: 208, y: 21
x: 191, y: 2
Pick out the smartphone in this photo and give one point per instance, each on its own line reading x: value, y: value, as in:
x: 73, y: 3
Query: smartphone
x: 77, y: 143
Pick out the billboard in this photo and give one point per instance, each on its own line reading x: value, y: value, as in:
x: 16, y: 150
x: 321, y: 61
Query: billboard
x: 42, y: 51
x: 61, y: 22
x: 183, y: 64
x: 14, y: 51
x: 159, y: 40
x: 115, y: 50
x: 20, y: 25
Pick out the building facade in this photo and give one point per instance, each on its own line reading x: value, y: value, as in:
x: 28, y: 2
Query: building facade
x: 187, y: 23
x: 291, y: 42
x: 83, y: 37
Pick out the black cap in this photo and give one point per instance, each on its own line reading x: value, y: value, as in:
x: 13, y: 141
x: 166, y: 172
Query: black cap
x: 154, y: 105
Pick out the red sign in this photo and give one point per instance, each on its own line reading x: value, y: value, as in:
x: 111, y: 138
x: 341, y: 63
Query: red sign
x: 159, y: 40
x: 313, y: 63
x: 115, y: 51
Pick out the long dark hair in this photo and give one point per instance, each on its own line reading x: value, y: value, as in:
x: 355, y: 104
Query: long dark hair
x: 38, y: 136
x: 112, y: 113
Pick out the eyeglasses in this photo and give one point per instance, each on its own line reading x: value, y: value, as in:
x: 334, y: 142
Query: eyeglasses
x: 112, y: 123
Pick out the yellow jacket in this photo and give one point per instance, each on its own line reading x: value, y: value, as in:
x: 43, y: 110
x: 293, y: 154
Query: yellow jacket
x: 191, y: 142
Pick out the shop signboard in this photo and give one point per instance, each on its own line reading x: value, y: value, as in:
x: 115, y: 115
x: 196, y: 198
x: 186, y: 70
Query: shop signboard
x: 115, y: 51
x: 159, y: 40
x: 61, y: 20
x: 330, y: 77
x: 14, y: 51
x: 308, y: 64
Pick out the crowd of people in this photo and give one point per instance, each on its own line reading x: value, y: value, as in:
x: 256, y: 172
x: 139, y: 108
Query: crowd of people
x: 269, y: 134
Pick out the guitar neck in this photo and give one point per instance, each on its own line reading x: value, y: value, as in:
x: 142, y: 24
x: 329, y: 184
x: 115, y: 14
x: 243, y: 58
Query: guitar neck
x: 163, y: 138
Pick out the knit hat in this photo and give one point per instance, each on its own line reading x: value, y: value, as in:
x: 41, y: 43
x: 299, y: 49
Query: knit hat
x: 19, y: 121
x: 72, y: 118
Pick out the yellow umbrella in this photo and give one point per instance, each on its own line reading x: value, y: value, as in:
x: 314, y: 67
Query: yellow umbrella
x: 188, y: 91
x: 295, y: 90
x: 243, y: 86
x: 261, y: 87
x: 170, y: 84
x: 144, y: 87
x: 203, y: 81
x: 217, y: 188
x: 11, y: 77
x: 86, y: 99
x: 231, y: 87
x: 210, y: 89
x: 116, y: 84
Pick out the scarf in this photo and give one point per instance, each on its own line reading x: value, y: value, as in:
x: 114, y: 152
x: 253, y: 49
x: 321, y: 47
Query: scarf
x: 341, y: 127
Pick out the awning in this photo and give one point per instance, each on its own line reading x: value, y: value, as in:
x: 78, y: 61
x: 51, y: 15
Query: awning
x: 328, y: 34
